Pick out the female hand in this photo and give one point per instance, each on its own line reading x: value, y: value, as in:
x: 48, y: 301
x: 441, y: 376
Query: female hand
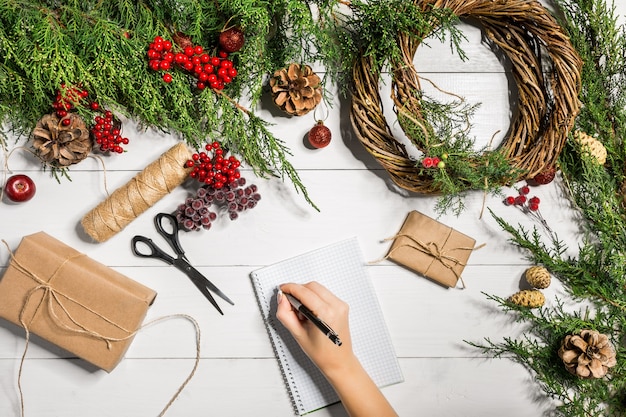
x: 325, y: 305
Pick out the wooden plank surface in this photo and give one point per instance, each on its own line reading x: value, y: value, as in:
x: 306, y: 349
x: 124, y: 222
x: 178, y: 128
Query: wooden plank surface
x: 238, y: 373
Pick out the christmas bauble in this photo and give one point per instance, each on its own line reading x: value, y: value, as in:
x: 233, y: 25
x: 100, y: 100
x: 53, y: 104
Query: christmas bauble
x: 231, y: 40
x: 320, y: 135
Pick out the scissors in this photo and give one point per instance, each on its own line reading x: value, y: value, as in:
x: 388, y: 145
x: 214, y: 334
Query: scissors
x: 180, y: 261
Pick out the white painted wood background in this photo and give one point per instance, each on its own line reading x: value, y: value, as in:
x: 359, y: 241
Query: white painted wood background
x: 238, y: 374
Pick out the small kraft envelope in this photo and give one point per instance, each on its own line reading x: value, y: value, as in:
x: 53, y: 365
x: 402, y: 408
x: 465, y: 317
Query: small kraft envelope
x: 72, y: 301
x: 432, y: 249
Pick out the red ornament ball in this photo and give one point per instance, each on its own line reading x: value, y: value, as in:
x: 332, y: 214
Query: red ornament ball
x: 545, y: 177
x: 320, y: 135
x: 231, y: 40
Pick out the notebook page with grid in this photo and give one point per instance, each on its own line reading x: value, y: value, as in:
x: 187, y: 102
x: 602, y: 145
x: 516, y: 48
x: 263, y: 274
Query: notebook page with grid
x: 342, y: 269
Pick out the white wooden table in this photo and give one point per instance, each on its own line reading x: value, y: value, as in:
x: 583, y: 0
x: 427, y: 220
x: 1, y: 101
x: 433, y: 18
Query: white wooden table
x: 238, y: 373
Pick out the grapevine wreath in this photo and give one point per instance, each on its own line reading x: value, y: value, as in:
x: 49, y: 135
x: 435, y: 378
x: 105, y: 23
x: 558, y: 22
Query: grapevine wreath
x: 546, y: 69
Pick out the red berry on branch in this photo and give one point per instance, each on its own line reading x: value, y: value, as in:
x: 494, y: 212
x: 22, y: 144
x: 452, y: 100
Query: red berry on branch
x: 167, y: 77
x: 520, y: 200
x: 524, y: 190
x: 510, y: 200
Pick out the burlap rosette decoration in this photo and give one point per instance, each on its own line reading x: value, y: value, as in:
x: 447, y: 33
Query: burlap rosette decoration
x: 61, y: 142
x: 588, y: 354
x: 296, y: 89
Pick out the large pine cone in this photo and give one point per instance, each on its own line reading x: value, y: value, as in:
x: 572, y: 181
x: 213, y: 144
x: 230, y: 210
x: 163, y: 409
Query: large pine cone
x: 589, y: 354
x: 296, y: 89
x: 62, y: 145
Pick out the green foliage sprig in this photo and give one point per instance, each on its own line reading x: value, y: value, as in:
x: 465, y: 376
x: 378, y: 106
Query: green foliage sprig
x: 101, y: 46
x: 596, y: 277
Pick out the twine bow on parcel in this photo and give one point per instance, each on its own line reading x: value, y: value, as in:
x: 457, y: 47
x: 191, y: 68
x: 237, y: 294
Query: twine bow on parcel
x: 434, y: 250
x: 52, y: 297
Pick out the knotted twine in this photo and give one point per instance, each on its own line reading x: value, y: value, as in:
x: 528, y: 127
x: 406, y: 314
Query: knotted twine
x: 54, y: 297
x: 432, y: 249
x: 127, y: 202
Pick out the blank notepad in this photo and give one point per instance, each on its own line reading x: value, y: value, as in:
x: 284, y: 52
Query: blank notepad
x: 341, y: 268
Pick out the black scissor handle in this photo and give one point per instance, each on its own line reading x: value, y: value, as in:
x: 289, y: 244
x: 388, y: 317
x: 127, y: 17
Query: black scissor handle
x: 155, y: 251
x: 164, y: 230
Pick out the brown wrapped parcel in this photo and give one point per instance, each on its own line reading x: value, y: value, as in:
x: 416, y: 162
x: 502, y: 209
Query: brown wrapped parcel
x: 431, y: 249
x: 72, y: 301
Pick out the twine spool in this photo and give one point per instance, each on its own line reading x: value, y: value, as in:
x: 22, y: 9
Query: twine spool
x: 139, y: 194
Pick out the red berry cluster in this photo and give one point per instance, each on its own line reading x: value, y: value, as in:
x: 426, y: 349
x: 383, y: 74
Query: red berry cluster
x: 106, y: 133
x: 210, y: 71
x: 66, y: 100
x: 213, y: 168
x: 522, y: 199
x: 528, y: 205
x: 106, y: 129
x: 434, y: 161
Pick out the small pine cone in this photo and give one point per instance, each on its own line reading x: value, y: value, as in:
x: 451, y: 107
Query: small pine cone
x: 528, y: 298
x: 538, y: 277
x: 588, y: 354
x: 591, y: 145
x: 296, y: 89
x: 62, y: 142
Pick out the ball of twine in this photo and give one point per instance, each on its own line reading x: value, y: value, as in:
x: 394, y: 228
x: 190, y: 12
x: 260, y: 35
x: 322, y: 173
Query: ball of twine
x: 548, y: 102
x: 140, y: 193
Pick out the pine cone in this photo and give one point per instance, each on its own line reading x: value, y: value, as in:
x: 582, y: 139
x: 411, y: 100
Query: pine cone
x: 59, y: 144
x: 528, y: 298
x: 591, y: 145
x: 589, y: 354
x: 296, y: 89
x: 538, y: 277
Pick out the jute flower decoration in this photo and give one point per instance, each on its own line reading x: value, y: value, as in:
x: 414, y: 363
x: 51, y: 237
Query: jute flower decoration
x: 61, y: 141
x: 529, y: 36
x: 296, y: 89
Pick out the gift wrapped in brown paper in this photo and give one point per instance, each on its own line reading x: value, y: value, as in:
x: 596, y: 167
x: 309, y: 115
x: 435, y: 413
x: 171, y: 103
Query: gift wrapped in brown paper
x: 72, y: 301
x: 431, y: 249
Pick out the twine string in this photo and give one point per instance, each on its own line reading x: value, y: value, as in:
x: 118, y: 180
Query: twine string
x: 140, y: 193
x: 432, y: 249
x: 52, y: 297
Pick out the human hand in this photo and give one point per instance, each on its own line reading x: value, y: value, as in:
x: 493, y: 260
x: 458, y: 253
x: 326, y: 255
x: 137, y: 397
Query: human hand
x: 324, y: 304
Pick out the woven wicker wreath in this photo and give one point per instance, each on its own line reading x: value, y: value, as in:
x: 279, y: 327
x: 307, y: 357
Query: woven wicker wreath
x: 548, y: 98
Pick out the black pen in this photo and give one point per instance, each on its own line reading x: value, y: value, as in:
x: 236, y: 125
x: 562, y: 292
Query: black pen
x: 319, y: 323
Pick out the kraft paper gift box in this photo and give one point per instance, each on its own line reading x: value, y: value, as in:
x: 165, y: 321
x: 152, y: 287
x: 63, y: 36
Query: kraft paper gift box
x: 72, y: 301
x: 431, y: 249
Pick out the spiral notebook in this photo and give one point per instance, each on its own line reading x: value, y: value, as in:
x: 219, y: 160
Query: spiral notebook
x: 342, y: 269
